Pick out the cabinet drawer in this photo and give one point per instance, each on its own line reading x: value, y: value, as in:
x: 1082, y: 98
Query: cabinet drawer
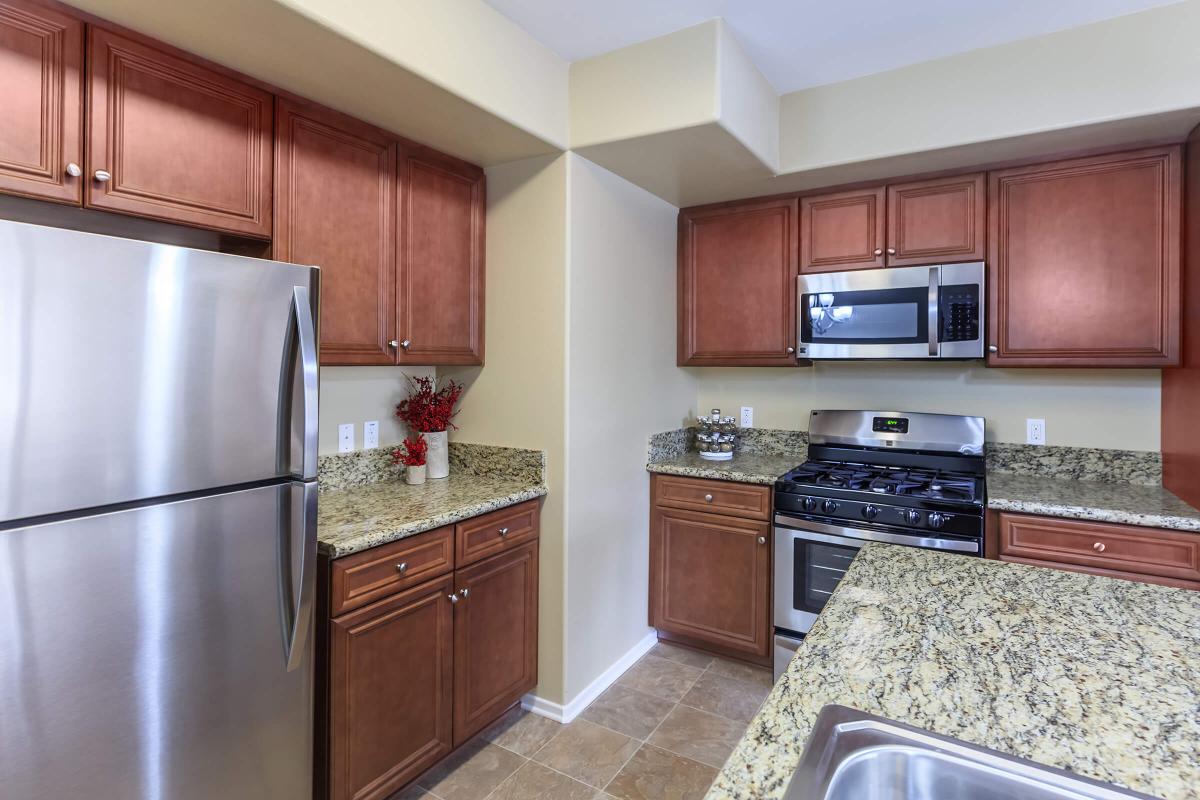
x: 1101, y: 546
x: 721, y: 497
x: 368, y: 576
x: 489, y: 534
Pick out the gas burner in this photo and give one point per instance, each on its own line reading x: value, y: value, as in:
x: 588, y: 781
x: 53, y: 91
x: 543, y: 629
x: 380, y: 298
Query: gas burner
x: 897, y: 481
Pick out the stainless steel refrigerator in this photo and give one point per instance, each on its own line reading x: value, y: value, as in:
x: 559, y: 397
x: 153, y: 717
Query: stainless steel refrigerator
x: 158, y: 435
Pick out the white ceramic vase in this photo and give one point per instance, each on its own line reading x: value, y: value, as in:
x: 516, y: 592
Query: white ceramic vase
x: 438, y: 457
x: 414, y: 476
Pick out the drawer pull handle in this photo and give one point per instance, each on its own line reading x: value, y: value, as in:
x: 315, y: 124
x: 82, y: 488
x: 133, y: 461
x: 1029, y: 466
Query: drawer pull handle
x: 1098, y: 547
x: 708, y: 498
x: 503, y: 532
x: 402, y: 567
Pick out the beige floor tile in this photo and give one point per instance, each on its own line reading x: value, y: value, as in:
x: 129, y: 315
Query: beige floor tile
x: 654, y: 774
x: 698, y: 735
x: 472, y: 773
x: 681, y: 654
x: 522, y: 732
x: 656, y: 676
x: 535, y: 782
x: 587, y: 752
x: 760, y: 676
x: 413, y: 793
x: 628, y: 711
x: 728, y: 697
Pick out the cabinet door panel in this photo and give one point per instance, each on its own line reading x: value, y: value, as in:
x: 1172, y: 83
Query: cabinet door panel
x: 938, y: 221
x: 440, y: 291
x: 495, y: 638
x: 737, y: 285
x: 842, y: 231
x: 183, y: 143
x: 335, y: 208
x: 710, y: 579
x: 1084, y: 262
x: 41, y: 51
x: 390, y: 696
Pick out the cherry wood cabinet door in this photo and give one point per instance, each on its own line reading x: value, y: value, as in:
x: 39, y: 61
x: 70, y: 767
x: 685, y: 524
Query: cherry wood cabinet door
x: 842, y: 231
x: 737, y: 284
x: 710, y: 579
x: 441, y: 265
x: 181, y: 142
x: 938, y: 221
x: 391, y: 673
x: 495, y: 637
x: 335, y: 197
x: 41, y: 54
x: 1084, y: 262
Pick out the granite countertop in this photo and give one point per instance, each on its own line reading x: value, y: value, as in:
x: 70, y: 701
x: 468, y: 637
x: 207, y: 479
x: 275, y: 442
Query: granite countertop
x: 1091, y: 674
x: 350, y: 520
x: 1151, y: 506
x: 761, y: 468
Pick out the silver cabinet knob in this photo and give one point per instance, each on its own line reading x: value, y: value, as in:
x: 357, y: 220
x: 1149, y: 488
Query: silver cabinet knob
x: 708, y: 498
x: 503, y: 532
x: 453, y: 598
x: 464, y: 593
x: 891, y: 251
x: 104, y: 176
x: 762, y: 540
x: 393, y: 344
x: 74, y: 170
x: 402, y: 567
x: 1098, y: 547
x: 993, y: 349
x: 791, y: 350
x: 878, y: 251
x: 405, y: 344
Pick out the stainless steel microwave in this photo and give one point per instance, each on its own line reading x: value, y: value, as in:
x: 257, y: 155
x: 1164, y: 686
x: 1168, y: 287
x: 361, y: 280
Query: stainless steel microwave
x: 900, y: 313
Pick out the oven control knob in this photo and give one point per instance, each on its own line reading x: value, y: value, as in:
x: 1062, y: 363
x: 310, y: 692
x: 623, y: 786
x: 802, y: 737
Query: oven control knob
x: 870, y: 512
x: 912, y: 517
x: 937, y: 520
x: 829, y: 506
x: 810, y: 504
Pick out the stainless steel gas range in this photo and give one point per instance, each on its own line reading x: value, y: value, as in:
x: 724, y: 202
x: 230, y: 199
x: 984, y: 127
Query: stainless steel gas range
x: 872, y: 476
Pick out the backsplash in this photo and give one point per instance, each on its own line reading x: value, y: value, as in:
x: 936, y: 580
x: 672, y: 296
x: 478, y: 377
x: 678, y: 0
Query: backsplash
x: 363, y: 467
x: 762, y: 441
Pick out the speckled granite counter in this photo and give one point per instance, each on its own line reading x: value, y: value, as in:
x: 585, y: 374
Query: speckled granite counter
x: 1151, y: 506
x: 762, y: 468
x: 1091, y: 674
x: 375, y: 507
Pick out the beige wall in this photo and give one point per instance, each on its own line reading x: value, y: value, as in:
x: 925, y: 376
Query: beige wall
x: 622, y: 386
x: 1082, y: 408
x: 518, y: 399
x: 360, y: 394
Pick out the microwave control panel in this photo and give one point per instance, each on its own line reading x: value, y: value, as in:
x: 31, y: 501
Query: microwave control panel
x: 958, y: 308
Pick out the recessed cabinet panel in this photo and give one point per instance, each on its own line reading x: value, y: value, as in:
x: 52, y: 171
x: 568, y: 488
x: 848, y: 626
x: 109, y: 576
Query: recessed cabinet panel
x: 938, y: 221
x: 842, y: 231
x: 41, y: 53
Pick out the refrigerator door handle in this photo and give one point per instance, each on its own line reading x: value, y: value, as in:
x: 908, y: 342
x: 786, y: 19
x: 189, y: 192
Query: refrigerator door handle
x: 308, y: 362
x: 296, y: 629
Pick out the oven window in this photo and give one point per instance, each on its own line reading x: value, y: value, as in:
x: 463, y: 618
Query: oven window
x: 817, y: 569
x: 884, y: 316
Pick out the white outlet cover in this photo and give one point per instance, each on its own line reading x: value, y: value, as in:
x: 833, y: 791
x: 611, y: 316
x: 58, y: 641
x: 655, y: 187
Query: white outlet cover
x: 371, y: 434
x: 747, y: 417
x: 1035, y: 431
x: 345, y: 437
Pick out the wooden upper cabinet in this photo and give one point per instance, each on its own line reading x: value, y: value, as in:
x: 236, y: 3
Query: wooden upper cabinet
x: 737, y: 284
x: 181, y: 142
x: 441, y: 265
x: 938, y: 221
x: 335, y: 196
x: 842, y: 231
x: 41, y: 55
x: 1084, y: 262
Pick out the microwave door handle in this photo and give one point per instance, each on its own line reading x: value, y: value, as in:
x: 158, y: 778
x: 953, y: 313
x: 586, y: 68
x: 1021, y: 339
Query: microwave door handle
x: 932, y: 309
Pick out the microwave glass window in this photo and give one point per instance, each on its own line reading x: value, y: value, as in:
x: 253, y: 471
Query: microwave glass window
x: 817, y: 568
x: 869, y: 322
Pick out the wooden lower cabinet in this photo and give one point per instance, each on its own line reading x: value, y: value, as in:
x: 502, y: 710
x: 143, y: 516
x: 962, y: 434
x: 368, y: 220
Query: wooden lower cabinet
x: 710, y: 580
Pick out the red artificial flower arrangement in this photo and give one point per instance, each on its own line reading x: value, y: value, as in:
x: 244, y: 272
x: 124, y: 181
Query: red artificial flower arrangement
x: 413, y: 452
x: 428, y: 408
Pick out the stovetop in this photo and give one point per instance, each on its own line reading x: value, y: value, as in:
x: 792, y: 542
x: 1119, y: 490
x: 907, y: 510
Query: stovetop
x: 812, y: 477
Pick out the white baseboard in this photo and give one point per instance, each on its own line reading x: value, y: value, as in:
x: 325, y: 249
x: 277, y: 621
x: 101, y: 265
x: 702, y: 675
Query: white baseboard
x: 565, y: 713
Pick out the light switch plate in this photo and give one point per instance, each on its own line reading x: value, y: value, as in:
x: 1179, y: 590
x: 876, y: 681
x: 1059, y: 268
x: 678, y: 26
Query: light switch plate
x: 345, y: 437
x: 371, y: 434
x: 747, y: 417
x: 1035, y: 431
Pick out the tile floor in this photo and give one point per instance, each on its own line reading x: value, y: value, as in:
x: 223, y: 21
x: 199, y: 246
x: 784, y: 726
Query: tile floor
x: 662, y: 730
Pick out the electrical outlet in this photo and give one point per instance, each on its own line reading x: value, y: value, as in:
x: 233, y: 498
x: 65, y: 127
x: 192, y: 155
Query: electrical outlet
x: 371, y: 434
x: 1035, y: 431
x: 747, y: 417
x: 346, y: 437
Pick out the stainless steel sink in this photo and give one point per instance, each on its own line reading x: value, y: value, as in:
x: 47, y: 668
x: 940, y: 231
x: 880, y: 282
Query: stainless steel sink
x: 852, y: 755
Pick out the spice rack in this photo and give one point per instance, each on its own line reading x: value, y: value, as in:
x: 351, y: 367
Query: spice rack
x: 716, y: 436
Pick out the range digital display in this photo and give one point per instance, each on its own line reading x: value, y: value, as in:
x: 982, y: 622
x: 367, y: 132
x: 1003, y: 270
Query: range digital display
x: 890, y: 424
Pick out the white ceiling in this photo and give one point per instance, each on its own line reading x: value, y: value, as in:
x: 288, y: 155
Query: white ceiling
x: 802, y: 43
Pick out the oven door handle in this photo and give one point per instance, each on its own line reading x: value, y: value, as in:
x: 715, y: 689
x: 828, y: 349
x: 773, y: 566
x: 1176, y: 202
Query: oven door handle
x: 856, y: 537
x: 935, y: 280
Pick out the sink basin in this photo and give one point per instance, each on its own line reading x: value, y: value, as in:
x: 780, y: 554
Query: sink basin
x: 852, y: 755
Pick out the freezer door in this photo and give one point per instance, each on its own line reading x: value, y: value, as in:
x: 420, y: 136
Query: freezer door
x: 161, y: 653
x: 131, y: 370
